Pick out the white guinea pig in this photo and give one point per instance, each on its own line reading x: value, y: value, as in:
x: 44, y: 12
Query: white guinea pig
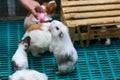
x: 62, y: 47
x: 28, y: 75
x: 40, y: 41
x: 19, y: 59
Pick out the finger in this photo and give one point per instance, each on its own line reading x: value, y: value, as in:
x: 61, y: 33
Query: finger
x: 34, y: 13
x: 29, y: 13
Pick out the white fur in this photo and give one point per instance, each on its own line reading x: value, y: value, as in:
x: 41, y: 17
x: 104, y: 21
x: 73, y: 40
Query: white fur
x: 108, y: 40
x: 40, y: 41
x: 118, y: 26
x: 32, y: 20
x: 62, y: 46
x: 20, y: 57
x: 28, y: 75
x: 29, y: 20
x: 45, y: 26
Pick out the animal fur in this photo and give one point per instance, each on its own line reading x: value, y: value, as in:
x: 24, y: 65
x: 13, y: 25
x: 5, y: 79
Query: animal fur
x: 28, y: 75
x: 39, y: 32
x: 48, y: 7
x: 19, y: 59
x: 40, y: 41
x: 62, y: 47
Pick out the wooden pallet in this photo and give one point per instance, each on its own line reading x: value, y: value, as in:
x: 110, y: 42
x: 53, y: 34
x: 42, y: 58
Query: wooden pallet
x: 91, y: 13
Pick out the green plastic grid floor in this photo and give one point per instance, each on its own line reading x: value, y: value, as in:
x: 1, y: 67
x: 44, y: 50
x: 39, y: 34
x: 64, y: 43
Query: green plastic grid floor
x: 98, y: 62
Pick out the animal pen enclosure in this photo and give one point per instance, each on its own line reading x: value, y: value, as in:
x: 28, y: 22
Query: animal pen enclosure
x: 97, y: 62
x: 91, y: 13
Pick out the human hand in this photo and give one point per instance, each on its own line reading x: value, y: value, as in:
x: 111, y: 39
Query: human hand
x: 33, y: 6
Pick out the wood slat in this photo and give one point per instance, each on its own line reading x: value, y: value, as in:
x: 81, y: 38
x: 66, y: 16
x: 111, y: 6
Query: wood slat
x: 87, y: 2
x: 107, y: 24
x: 95, y: 21
x: 111, y: 32
x: 92, y: 14
x: 91, y: 8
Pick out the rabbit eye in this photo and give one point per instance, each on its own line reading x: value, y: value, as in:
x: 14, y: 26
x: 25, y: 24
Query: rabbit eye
x: 57, y: 28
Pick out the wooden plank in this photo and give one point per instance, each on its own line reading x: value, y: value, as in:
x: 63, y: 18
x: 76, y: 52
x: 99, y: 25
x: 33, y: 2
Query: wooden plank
x: 109, y: 33
x: 103, y: 35
x: 87, y: 2
x: 107, y: 24
x: 111, y: 30
x: 92, y: 14
x: 95, y: 21
x: 91, y: 8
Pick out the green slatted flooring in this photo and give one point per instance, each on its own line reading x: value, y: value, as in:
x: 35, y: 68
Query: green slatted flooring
x: 98, y: 62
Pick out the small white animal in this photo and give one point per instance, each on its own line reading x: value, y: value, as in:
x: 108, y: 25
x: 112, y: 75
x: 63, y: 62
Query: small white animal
x: 62, y: 47
x: 19, y: 59
x: 40, y: 41
x: 28, y: 75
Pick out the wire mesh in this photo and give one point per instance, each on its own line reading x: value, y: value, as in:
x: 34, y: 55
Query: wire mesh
x: 98, y: 62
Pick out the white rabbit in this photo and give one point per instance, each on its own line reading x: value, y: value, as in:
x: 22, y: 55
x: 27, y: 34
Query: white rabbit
x: 62, y: 47
x: 28, y: 75
x: 19, y: 59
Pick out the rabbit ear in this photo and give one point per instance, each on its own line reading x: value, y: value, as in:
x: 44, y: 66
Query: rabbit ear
x: 61, y: 35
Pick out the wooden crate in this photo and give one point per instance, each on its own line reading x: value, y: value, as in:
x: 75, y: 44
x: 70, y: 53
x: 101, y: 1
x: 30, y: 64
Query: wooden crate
x: 91, y: 13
